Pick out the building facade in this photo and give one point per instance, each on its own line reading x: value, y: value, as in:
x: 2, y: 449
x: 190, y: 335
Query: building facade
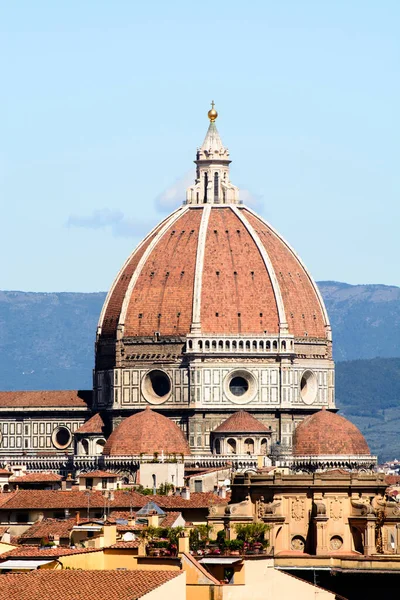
x: 213, y: 313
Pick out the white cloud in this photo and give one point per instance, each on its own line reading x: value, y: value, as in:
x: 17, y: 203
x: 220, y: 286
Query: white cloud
x: 119, y: 224
x: 175, y: 194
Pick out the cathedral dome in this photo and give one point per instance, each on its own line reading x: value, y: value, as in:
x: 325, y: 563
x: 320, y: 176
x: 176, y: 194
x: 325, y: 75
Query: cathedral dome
x: 241, y: 422
x: 213, y: 266
x: 328, y: 434
x: 146, y: 432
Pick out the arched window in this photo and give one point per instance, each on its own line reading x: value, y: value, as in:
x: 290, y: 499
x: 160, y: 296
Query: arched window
x: 100, y: 446
x: 264, y: 446
x: 275, y: 345
x: 261, y: 345
x: 249, y: 446
x: 200, y: 345
x: 214, y: 345
x: 85, y: 447
x: 205, y: 186
x: 228, y: 345
x: 217, y: 447
x: 207, y: 345
x: 154, y: 478
x: 231, y: 443
x: 247, y: 345
x: 234, y: 345
x: 283, y: 345
x: 241, y: 346
x: 216, y: 187
x: 221, y: 345
x: 268, y: 345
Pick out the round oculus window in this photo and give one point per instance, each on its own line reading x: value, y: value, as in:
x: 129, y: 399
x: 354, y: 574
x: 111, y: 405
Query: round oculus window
x: 308, y: 387
x: 240, y: 386
x: 156, y: 386
x: 61, y: 437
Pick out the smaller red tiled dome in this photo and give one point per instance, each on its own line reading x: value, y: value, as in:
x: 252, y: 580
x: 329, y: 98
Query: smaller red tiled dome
x: 146, y: 432
x: 328, y: 434
x: 241, y: 422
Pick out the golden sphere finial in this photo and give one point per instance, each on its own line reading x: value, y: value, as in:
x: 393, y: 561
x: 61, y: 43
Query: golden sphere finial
x: 212, y: 114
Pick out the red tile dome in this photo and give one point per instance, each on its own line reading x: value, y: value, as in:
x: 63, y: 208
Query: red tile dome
x: 328, y: 434
x: 241, y: 422
x: 146, y: 432
x: 220, y: 266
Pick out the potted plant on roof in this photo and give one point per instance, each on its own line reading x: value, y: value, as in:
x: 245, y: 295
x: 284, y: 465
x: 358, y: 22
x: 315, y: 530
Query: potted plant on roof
x: 252, y: 534
x: 235, y: 547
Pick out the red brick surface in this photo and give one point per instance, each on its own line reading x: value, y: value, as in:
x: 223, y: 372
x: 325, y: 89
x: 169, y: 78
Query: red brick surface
x: 162, y: 298
x: 303, y: 310
x: 94, y: 425
x: 327, y: 433
x: 241, y: 422
x: 80, y: 398
x: 237, y: 295
x: 113, y: 310
x: 146, y: 432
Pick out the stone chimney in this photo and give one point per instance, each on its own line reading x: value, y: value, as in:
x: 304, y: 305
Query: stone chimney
x: 77, y: 517
x: 183, y: 544
x: 66, y: 484
x: 110, y: 535
x: 222, y: 492
x: 186, y: 493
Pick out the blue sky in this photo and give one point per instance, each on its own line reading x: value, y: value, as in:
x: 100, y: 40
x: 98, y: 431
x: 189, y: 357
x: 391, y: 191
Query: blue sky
x: 103, y: 104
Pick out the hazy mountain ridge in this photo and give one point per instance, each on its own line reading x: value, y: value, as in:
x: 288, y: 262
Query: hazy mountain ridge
x: 47, y: 342
x: 365, y: 319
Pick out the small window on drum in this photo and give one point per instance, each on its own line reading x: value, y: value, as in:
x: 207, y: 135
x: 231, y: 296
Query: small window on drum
x: 61, y: 437
x: 160, y: 383
x: 156, y: 386
x: 238, y: 386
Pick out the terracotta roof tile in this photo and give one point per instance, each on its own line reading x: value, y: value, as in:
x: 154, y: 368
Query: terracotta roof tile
x: 98, y: 474
x: 125, y: 545
x: 327, y: 433
x: 26, y: 551
x: 42, y: 529
x: 196, y: 500
x: 78, y: 500
x: 85, y: 585
x: 94, y: 425
x: 67, y: 398
x: 36, y: 478
x: 75, y: 499
x: 146, y: 432
x: 170, y: 518
x: 6, y: 497
x: 241, y: 422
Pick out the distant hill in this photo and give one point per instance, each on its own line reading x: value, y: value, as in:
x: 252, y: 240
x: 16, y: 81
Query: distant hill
x: 365, y: 319
x: 47, y: 342
x: 368, y: 393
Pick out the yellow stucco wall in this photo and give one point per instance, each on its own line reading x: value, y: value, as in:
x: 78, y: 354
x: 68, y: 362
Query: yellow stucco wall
x: 262, y: 581
x: 174, y: 589
x: 86, y: 560
x: 6, y: 547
